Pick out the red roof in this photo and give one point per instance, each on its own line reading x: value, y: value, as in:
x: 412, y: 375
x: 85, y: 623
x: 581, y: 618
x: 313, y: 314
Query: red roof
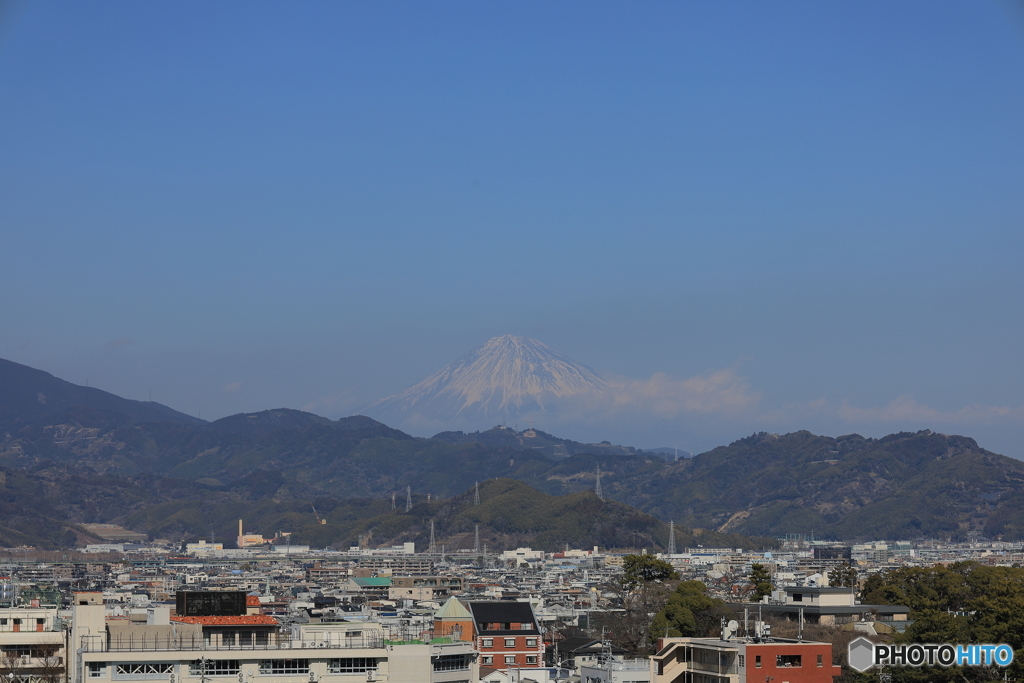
x: 252, y: 601
x: 248, y: 620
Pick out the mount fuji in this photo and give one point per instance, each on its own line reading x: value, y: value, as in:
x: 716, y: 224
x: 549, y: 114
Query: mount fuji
x: 508, y: 377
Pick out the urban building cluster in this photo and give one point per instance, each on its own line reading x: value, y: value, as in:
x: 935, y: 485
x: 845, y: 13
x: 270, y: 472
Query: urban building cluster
x: 288, y: 614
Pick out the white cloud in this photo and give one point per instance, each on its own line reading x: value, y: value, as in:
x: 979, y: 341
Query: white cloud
x: 230, y: 388
x: 721, y: 392
x: 906, y: 409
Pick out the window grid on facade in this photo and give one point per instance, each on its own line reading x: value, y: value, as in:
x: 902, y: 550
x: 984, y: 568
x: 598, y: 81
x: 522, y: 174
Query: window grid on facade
x: 215, y: 667
x: 487, y: 659
x: 284, y: 666
x: 142, y: 671
x: 819, y: 660
x: 531, y: 642
x: 510, y: 659
x: 352, y: 665
x: 97, y: 669
x: 488, y: 642
x: 531, y: 659
x: 787, y: 660
x: 757, y: 661
x: 451, y: 662
x: 743, y: 660
x: 510, y: 642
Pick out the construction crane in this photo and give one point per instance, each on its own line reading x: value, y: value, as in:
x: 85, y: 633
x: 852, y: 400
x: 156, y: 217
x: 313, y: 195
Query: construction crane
x: 318, y: 520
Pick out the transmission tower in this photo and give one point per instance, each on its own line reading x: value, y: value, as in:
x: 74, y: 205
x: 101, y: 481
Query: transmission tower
x: 597, y: 488
x: 672, y: 538
x: 392, y: 500
x: 432, y: 548
x: 408, y: 498
x: 476, y: 495
x: 476, y: 541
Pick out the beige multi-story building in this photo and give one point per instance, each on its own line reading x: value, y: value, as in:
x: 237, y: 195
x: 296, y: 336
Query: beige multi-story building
x: 253, y: 649
x: 31, y: 644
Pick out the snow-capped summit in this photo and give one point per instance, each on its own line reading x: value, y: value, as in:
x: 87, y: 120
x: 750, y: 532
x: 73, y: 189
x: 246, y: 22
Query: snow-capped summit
x: 507, y: 377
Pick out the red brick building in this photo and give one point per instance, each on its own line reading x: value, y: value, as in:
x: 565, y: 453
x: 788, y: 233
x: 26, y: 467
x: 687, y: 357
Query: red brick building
x: 708, y: 660
x: 506, y: 635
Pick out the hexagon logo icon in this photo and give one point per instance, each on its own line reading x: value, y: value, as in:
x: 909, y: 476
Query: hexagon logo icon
x: 861, y: 654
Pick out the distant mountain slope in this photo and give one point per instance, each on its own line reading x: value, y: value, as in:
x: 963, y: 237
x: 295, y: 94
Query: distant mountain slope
x: 905, y: 485
x: 506, y: 377
x: 27, y: 393
x: 533, y: 439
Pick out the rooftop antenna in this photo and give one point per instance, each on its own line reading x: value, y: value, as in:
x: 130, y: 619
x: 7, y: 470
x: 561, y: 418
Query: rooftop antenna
x: 408, y: 498
x: 597, y: 488
x: 476, y: 541
x: 476, y: 494
x: 672, y: 537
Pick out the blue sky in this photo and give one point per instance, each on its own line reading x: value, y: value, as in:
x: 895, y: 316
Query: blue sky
x: 240, y: 207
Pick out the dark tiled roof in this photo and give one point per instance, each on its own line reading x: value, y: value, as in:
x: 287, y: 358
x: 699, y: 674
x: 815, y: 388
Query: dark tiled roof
x: 502, y: 612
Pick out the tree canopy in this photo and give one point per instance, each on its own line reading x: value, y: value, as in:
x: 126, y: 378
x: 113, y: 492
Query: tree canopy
x: 689, y: 611
x: 645, y: 568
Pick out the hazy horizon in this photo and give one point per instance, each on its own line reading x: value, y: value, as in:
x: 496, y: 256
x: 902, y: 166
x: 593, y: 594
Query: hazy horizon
x: 748, y: 217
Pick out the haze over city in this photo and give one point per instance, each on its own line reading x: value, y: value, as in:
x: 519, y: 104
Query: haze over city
x: 749, y: 217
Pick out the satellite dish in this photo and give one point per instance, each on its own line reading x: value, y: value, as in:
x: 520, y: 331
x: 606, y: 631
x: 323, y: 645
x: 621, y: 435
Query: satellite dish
x: 730, y: 630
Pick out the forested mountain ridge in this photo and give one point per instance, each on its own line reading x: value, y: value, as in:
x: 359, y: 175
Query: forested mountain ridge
x: 905, y: 485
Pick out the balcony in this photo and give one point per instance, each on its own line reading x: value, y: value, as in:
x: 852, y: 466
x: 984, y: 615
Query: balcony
x: 135, y: 643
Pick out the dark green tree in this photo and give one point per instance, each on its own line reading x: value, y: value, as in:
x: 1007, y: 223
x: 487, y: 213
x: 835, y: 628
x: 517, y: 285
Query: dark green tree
x: 689, y: 611
x: 960, y: 604
x: 842, y: 576
x: 761, y: 580
x: 639, y: 569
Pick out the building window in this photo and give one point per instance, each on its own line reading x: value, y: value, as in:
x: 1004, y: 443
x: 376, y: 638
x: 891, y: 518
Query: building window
x: 284, y: 666
x: 510, y: 642
x: 757, y: 661
x: 531, y: 659
x: 97, y: 669
x: 351, y: 665
x: 488, y: 642
x: 510, y: 659
x: 743, y: 660
x: 487, y: 659
x: 214, y: 667
x: 819, y: 660
x: 531, y: 642
x: 787, y: 660
x: 142, y: 671
x: 452, y: 662
x: 798, y: 597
